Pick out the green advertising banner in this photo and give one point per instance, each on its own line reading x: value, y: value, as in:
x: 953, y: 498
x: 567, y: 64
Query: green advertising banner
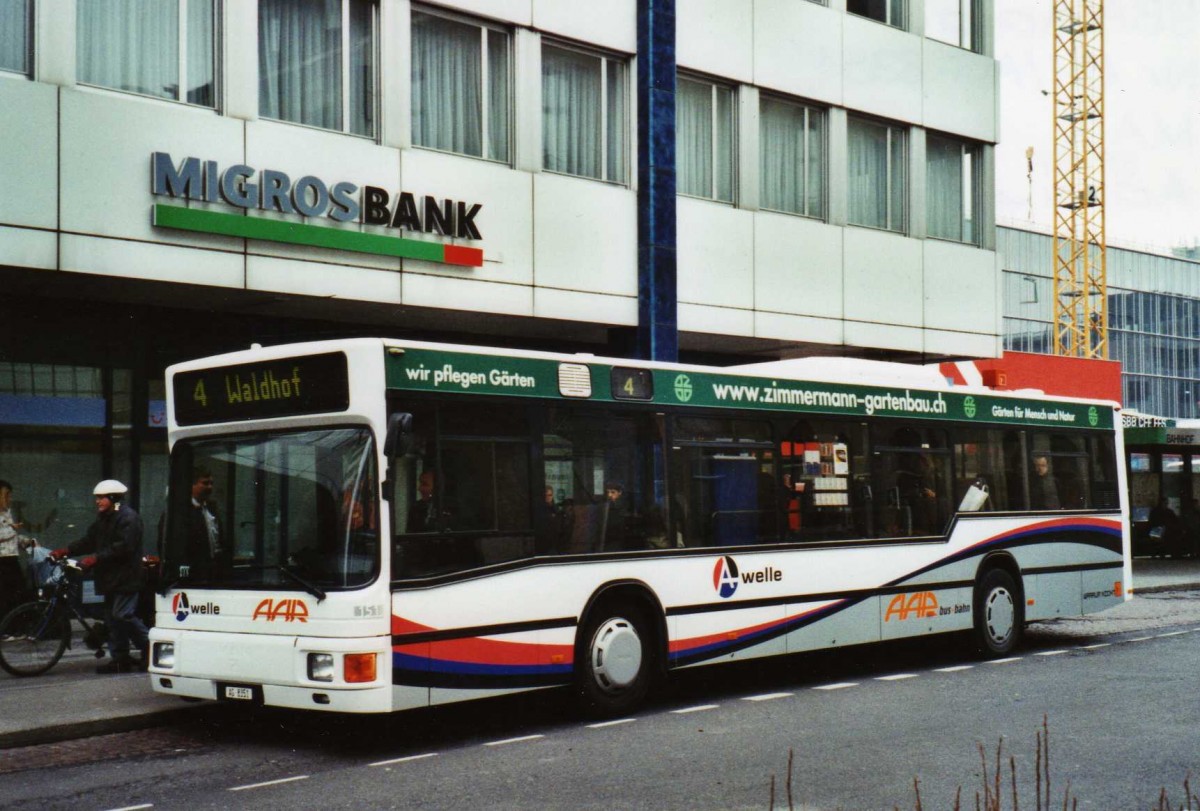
x: 465, y: 373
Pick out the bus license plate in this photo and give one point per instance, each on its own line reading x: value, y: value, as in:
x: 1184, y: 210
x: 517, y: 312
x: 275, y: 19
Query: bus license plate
x: 239, y: 693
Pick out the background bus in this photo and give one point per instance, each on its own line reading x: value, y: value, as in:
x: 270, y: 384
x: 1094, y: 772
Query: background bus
x: 396, y: 524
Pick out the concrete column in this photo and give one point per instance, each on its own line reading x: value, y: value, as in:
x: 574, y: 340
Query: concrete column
x: 657, y: 332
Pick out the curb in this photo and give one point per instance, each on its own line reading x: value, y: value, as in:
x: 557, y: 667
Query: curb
x: 101, y: 726
x: 1169, y: 587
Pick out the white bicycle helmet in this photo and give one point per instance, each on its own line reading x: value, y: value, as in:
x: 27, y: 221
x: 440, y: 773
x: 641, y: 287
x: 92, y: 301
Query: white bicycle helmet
x: 111, y: 488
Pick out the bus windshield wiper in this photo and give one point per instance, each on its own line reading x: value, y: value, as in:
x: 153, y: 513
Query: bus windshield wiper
x: 306, y: 585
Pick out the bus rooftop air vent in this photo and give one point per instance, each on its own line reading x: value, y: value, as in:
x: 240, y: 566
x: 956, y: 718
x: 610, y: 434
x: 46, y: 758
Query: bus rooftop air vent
x: 574, y: 380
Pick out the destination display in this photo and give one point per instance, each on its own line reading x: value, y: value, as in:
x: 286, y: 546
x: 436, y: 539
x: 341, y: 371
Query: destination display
x: 468, y: 373
x: 313, y: 384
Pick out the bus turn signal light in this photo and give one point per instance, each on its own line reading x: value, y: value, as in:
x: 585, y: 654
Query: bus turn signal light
x: 359, y: 667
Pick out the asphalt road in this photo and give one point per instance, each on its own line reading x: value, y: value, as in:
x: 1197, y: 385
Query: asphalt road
x: 1117, y: 692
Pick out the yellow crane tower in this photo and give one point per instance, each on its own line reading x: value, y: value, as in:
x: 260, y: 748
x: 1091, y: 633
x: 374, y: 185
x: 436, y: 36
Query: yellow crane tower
x: 1080, y: 284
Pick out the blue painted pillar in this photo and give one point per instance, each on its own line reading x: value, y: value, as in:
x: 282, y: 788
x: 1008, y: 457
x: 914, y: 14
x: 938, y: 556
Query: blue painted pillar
x: 657, y: 331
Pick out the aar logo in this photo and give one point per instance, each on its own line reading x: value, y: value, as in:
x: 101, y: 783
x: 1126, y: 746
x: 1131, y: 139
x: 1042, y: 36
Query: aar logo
x: 725, y: 577
x: 922, y: 605
x: 286, y: 609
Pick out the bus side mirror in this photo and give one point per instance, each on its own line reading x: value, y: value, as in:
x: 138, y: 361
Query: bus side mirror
x: 399, y: 439
x: 398, y: 442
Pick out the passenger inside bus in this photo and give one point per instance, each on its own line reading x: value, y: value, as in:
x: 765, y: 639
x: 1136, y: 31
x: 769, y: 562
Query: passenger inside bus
x: 1043, y: 487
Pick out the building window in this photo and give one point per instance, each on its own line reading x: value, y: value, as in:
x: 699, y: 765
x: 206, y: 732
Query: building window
x: 792, y: 153
x: 878, y: 184
x: 584, y: 114
x: 317, y: 63
x: 953, y: 194
x: 704, y: 127
x: 460, y: 81
x: 885, y: 11
x: 14, y: 35
x: 953, y: 21
x: 160, y: 48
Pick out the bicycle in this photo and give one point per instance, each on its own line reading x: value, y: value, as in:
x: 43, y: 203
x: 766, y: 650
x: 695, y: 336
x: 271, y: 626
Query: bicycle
x: 34, y: 636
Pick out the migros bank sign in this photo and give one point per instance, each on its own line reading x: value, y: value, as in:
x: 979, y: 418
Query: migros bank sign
x: 311, y: 200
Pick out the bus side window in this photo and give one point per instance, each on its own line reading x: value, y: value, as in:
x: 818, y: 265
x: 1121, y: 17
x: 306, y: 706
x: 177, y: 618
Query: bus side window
x: 601, y: 475
x: 724, y: 491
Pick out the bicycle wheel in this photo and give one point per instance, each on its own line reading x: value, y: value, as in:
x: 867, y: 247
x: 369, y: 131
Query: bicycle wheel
x: 32, y: 639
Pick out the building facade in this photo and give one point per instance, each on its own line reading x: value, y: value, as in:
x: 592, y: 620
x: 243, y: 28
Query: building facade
x: 190, y: 178
x: 1154, y: 332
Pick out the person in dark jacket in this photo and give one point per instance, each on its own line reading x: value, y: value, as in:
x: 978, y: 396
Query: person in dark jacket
x: 205, y: 552
x: 113, y: 546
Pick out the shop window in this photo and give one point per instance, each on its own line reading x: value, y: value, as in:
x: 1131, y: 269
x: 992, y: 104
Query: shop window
x: 891, y: 12
x: 723, y: 487
x: 600, y: 484
x: 584, y: 114
x: 704, y: 128
x: 878, y: 186
x: 954, y: 22
x: 460, y: 86
x: 792, y: 157
x: 317, y: 64
x: 157, y: 48
x: 53, y: 426
x: 824, y: 481
x: 952, y: 194
x: 15, y: 41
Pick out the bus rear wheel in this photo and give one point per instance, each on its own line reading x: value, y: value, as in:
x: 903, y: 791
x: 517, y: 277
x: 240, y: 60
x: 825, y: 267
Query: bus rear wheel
x: 614, y: 661
x: 999, y: 614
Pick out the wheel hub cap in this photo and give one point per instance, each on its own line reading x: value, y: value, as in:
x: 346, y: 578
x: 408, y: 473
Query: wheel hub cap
x: 616, y: 655
x: 1000, y: 614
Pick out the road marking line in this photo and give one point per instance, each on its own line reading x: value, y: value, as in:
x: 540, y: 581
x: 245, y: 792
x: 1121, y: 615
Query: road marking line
x: 700, y: 708
x: 1005, y: 661
x: 271, y: 782
x: 1050, y: 653
x: 604, y: 724
x: 521, y: 739
x: 1140, y: 639
x: 839, y: 686
x: 403, y: 759
x: 896, y: 677
x: 768, y: 697
x: 1097, y: 645
x: 133, y: 807
x: 1172, y: 633
x: 954, y: 669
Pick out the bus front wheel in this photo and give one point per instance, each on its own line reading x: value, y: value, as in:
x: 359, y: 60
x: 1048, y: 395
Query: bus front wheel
x: 613, y: 664
x: 999, y: 614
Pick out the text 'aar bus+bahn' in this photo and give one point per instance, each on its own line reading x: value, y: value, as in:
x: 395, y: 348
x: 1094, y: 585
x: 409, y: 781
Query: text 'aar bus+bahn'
x: 374, y: 525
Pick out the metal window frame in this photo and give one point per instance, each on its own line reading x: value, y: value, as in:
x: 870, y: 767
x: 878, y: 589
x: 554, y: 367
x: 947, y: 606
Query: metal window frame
x: 486, y: 30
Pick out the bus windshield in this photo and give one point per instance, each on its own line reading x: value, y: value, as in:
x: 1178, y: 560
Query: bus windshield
x: 286, y: 511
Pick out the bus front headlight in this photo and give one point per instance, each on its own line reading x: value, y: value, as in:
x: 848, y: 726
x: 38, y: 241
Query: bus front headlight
x: 320, y: 666
x: 164, y: 654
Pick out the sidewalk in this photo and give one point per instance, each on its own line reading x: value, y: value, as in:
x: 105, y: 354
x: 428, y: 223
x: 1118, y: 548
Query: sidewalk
x: 71, y: 701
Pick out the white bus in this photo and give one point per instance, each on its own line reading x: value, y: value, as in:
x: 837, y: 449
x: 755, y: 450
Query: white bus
x: 372, y: 525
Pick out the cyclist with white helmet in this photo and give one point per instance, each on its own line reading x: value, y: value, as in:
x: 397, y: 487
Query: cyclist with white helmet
x: 113, y: 546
